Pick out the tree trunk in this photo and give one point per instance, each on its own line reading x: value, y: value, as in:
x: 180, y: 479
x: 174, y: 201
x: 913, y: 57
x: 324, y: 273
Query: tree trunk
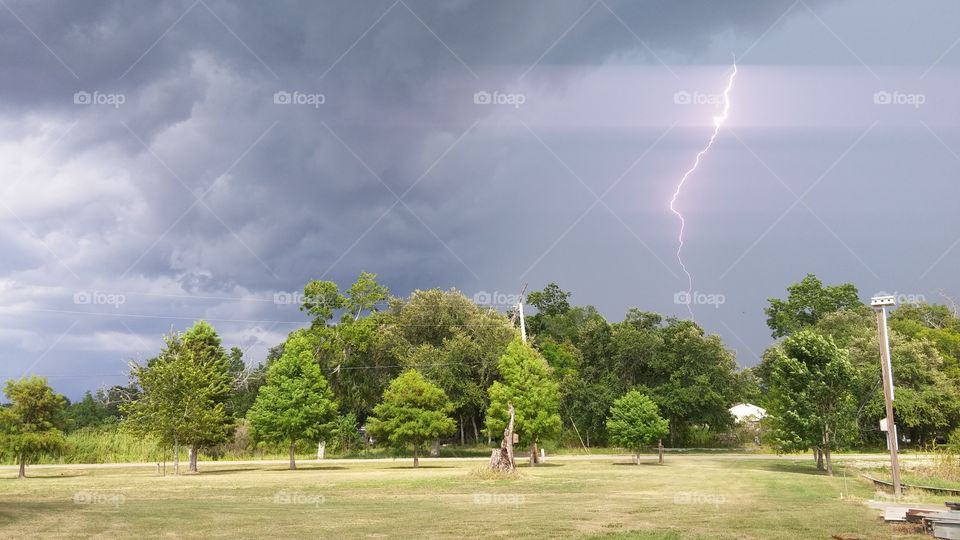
x: 193, y: 458
x: 435, y: 448
x: 476, y: 433
x: 826, y: 451
x: 660, y: 451
x: 501, y: 459
x: 534, y: 455
x: 416, y: 456
x: 819, y: 458
x: 636, y: 458
x: 321, y: 450
x: 293, y: 455
x: 176, y: 457
x: 463, y: 440
x: 23, y: 466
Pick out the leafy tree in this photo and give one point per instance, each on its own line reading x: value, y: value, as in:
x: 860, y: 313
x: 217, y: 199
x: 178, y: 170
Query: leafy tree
x: 359, y: 358
x: 182, y: 395
x: 691, y: 376
x: 365, y: 294
x: 202, y: 347
x: 807, y: 302
x: 927, y: 405
x: 934, y: 323
x: 563, y: 358
x: 413, y: 412
x: 321, y: 299
x: 586, y: 405
x: 552, y: 300
x: 635, y: 422
x: 90, y: 411
x: 295, y: 403
x: 529, y: 387
x: 33, y: 422
x: 452, y: 341
x: 811, y: 395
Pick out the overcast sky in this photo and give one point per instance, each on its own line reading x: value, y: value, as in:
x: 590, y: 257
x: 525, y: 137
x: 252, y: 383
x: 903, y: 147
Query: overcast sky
x: 164, y: 162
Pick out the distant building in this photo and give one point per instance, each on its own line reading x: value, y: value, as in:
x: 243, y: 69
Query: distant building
x: 747, y: 413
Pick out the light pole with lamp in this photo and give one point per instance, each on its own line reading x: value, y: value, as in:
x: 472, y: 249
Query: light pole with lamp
x: 880, y: 305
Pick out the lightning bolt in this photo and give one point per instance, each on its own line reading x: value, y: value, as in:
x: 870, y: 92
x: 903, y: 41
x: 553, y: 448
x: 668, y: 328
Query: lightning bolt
x: 717, y: 124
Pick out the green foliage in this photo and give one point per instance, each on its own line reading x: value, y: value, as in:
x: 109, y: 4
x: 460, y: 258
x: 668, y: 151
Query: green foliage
x: 691, y: 376
x: 635, y: 422
x: 295, y: 403
x: 344, y: 433
x: 552, y: 300
x: 563, y: 358
x: 183, y: 392
x: 203, y: 349
x: 807, y: 302
x: 105, y: 444
x: 413, y: 412
x: 454, y: 343
x: 365, y: 294
x: 91, y: 411
x: 33, y: 423
x: 928, y: 397
x: 321, y: 299
x: 527, y: 385
x: 811, y: 393
x: 936, y: 324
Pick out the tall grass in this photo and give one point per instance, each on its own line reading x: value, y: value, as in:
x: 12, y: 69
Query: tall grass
x: 105, y: 445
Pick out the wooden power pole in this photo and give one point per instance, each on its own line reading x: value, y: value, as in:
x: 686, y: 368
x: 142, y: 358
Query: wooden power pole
x: 880, y: 304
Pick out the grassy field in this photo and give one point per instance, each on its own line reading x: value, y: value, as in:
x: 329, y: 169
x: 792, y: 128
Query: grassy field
x: 761, y: 497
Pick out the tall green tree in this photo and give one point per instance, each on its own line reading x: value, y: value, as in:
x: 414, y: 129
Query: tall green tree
x: 202, y: 347
x: 413, y: 412
x: 34, y: 421
x: 527, y: 384
x: 807, y: 302
x: 811, y: 400
x: 635, y: 422
x: 295, y: 403
x: 181, y: 396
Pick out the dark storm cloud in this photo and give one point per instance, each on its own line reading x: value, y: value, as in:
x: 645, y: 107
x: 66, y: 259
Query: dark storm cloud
x: 199, y: 196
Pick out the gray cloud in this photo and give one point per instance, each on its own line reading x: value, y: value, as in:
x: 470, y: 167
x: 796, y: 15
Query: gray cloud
x: 107, y: 196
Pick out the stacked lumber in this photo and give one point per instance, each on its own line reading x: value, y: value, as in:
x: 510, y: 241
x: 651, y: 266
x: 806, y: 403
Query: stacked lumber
x: 934, y: 520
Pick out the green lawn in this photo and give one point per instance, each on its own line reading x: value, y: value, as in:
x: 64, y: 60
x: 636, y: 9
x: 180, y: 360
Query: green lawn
x: 688, y: 497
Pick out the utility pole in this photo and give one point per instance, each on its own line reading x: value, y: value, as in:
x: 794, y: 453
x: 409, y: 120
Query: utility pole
x: 518, y: 310
x: 523, y: 322
x: 880, y: 305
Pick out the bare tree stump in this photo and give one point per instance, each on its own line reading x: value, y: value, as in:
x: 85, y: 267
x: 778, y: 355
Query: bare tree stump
x: 501, y: 459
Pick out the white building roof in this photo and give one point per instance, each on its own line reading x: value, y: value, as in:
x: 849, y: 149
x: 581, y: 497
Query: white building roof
x: 747, y: 412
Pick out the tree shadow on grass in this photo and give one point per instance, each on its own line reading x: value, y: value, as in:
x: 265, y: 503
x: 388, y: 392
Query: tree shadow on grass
x: 796, y: 467
x: 642, y: 463
x: 37, y: 475
x: 412, y: 468
x: 280, y: 468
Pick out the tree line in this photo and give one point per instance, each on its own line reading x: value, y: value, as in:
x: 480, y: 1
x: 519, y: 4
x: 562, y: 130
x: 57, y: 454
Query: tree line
x: 410, y: 373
